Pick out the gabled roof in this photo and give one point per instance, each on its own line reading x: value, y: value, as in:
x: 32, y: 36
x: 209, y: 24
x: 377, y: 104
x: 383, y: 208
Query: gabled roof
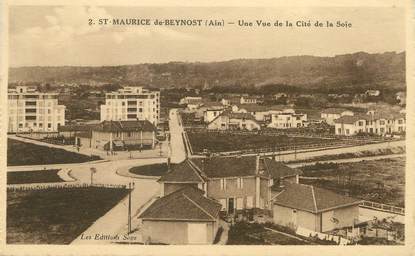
x: 235, y: 115
x: 220, y: 167
x: 188, y: 204
x: 279, y: 170
x: 312, y: 199
x: 350, y: 119
x: 183, y: 172
x: 125, y: 126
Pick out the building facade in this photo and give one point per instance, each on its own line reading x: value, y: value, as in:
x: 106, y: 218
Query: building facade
x: 288, y: 120
x: 331, y: 114
x: 371, y: 123
x: 33, y: 111
x: 238, y: 183
x: 132, y: 103
x: 314, y: 208
x: 234, y: 121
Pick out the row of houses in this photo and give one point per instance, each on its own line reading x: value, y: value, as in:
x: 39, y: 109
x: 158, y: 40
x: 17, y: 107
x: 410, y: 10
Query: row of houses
x: 374, y: 121
x: 33, y: 111
x: 197, y: 192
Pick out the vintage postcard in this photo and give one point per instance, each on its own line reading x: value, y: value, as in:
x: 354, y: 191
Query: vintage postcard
x: 220, y: 128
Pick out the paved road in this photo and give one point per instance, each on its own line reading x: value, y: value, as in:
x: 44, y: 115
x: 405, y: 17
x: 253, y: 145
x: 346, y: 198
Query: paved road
x: 177, y: 151
x: 114, y: 221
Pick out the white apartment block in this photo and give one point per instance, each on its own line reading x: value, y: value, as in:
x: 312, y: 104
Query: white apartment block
x: 33, y: 111
x: 132, y: 103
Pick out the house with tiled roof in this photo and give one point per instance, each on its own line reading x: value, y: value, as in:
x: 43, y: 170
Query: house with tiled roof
x: 313, y: 208
x: 261, y: 113
x: 115, y: 135
x: 287, y: 120
x: 331, y: 114
x: 187, y: 214
x: 229, y: 120
x: 238, y: 183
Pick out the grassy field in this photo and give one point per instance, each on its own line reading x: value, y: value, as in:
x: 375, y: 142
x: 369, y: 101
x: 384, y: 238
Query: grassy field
x: 56, y: 216
x: 380, y: 181
x: 22, y: 153
x: 221, y: 142
x: 41, y: 176
x: 150, y: 170
x: 243, y: 233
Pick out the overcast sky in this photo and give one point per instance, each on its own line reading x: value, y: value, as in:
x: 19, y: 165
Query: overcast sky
x: 56, y: 36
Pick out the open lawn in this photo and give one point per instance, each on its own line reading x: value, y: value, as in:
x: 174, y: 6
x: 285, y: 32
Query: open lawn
x: 223, y: 142
x: 150, y: 170
x: 22, y: 153
x: 56, y: 216
x: 41, y: 176
x: 380, y: 181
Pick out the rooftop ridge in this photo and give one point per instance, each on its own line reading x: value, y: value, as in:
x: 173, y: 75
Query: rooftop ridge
x: 197, y: 205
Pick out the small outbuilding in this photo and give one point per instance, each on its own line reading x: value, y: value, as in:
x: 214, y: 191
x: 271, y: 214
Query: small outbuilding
x: 185, y: 216
x: 314, y: 208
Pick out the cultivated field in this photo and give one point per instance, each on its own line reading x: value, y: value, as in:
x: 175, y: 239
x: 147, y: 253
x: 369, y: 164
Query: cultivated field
x: 380, y: 181
x: 223, y: 142
x: 22, y: 153
x: 41, y: 176
x: 56, y: 216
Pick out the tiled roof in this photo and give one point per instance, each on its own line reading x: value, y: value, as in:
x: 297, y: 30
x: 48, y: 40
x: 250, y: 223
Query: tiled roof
x: 125, y: 126
x: 182, y: 172
x: 370, y: 117
x: 188, y: 203
x: 279, y: 170
x: 311, y: 199
x: 349, y: 119
x: 218, y: 167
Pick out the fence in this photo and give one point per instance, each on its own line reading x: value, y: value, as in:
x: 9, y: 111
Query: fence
x: 383, y: 207
x: 27, y: 187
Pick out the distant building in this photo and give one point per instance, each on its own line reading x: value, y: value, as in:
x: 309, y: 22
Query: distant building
x: 248, y: 100
x: 32, y: 111
x: 211, y: 112
x: 331, y: 114
x: 113, y: 135
x: 234, y: 121
x: 260, y: 112
x: 371, y: 123
x: 401, y: 98
x: 132, y: 103
x: 185, y: 216
x: 372, y: 93
x: 277, y: 96
x: 314, y: 208
x: 288, y: 120
x: 238, y: 183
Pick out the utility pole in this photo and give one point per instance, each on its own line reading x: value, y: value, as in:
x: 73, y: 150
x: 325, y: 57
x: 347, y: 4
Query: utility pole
x: 130, y: 188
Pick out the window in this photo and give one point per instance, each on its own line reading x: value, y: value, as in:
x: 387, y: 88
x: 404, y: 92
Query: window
x: 223, y: 184
x: 223, y: 203
x: 360, y: 123
x: 240, y: 183
x: 249, y: 202
x: 347, y: 131
x: 239, y: 203
x: 49, y: 125
x: 382, y: 122
x: 339, y: 130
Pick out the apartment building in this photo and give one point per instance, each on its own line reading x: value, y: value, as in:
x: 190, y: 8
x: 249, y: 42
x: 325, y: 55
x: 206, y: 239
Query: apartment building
x: 33, y: 111
x: 132, y: 103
